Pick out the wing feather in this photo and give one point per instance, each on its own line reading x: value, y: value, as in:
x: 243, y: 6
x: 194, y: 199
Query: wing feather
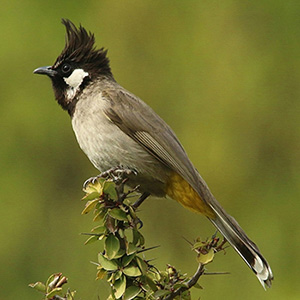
x: 142, y: 124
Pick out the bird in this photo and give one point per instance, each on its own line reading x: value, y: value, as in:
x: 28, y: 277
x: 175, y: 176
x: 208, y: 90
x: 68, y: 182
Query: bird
x: 116, y: 128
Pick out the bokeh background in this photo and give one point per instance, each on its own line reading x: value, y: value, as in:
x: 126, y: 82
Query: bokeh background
x: 224, y: 74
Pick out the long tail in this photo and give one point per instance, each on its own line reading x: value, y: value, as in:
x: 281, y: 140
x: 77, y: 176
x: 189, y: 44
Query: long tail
x: 198, y: 198
x: 238, y: 239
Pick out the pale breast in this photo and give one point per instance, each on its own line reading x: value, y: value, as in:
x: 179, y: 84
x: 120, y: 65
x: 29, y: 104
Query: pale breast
x: 107, y: 146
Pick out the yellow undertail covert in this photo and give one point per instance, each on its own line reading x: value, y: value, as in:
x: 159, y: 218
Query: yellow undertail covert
x: 180, y: 190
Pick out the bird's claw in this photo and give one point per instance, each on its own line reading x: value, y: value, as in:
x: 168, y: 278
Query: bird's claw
x: 116, y: 174
x: 91, y: 180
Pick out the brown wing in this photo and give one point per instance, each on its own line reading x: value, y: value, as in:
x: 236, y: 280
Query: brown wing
x: 142, y: 124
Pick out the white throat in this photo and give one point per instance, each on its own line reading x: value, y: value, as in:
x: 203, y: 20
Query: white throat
x: 74, y: 81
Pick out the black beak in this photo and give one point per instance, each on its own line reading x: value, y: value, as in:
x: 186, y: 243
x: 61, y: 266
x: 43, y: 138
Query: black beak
x: 45, y: 71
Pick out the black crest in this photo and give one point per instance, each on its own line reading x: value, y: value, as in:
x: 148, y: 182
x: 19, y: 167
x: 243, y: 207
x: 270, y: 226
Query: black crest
x: 80, y: 49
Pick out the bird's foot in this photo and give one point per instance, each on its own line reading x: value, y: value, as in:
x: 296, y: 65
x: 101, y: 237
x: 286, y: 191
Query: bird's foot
x: 91, y: 180
x: 117, y: 174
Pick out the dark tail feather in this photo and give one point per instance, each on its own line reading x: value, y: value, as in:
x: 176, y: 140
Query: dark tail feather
x: 238, y: 239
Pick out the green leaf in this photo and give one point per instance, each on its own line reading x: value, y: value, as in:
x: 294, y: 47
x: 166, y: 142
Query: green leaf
x: 161, y: 293
x: 91, y: 196
x: 101, y: 273
x: 99, y: 229
x: 100, y: 216
x: 136, y: 236
x: 89, y: 206
x: 127, y: 259
x: 132, y: 271
x: 142, y: 240
x: 179, y: 285
x: 111, y: 297
x: 120, y: 253
x: 155, y: 275
x: 131, y: 248
x: 118, y: 214
x: 111, y: 246
x: 151, y: 283
x: 128, y: 201
x: 111, y: 278
x: 54, y: 292
x: 108, y: 265
x: 206, y: 258
x: 118, y: 274
x: 109, y: 188
x: 120, y: 286
x: 132, y: 212
x: 142, y: 265
x: 91, y: 239
x: 39, y: 286
x: 131, y: 292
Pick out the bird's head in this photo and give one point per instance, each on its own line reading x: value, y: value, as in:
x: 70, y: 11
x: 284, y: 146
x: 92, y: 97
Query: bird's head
x: 78, y: 64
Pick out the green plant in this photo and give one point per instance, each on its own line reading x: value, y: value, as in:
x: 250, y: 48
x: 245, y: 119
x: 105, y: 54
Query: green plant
x: 121, y: 260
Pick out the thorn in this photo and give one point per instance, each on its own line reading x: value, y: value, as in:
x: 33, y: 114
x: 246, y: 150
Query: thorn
x: 147, y: 249
x: 190, y: 243
x: 216, y: 273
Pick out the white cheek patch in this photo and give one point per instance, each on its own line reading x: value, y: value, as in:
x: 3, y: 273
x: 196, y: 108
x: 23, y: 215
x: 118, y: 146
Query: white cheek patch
x: 70, y: 94
x: 76, y: 78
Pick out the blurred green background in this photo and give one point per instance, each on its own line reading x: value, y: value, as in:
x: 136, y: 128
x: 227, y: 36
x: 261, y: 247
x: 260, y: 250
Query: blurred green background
x: 224, y: 74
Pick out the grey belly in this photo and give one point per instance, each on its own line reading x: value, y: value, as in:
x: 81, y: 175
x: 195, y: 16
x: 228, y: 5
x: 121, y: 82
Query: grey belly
x: 107, y: 146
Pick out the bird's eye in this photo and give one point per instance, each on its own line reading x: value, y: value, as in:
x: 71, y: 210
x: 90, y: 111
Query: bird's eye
x: 66, y: 68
